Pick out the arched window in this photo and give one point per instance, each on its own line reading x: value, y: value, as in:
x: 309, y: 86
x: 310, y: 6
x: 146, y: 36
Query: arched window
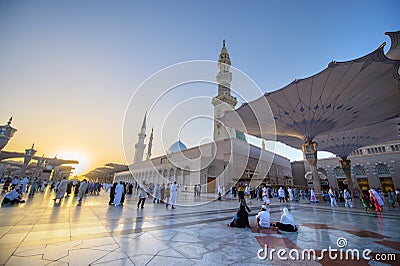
x: 359, y: 171
x: 338, y: 172
x: 382, y: 169
x: 322, y: 170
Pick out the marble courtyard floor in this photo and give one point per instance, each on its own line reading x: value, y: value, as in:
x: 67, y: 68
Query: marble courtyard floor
x: 40, y: 232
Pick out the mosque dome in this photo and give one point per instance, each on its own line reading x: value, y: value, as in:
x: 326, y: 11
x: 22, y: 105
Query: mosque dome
x: 177, y: 147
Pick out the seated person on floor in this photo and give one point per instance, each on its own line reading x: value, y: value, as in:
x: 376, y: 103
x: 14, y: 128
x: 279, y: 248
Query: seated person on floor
x: 14, y: 196
x: 263, y: 217
x: 286, y: 223
x: 241, y: 218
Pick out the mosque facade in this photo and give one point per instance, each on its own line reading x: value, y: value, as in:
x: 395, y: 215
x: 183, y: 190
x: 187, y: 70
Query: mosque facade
x: 227, y: 160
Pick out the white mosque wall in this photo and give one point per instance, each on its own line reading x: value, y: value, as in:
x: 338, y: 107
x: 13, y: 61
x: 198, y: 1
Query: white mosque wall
x: 225, y: 161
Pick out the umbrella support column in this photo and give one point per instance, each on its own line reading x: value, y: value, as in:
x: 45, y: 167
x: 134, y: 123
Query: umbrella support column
x: 310, y: 153
x: 345, y: 164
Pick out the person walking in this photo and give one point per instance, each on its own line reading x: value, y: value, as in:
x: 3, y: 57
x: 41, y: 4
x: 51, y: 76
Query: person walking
x: 157, y: 193
x: 82, y: 190
x: 219, y: 191
x: 332, y: 197
x: 33, y: 187
x: 376, y: 200
x: 24, y: 183
x: 119, y: 189
x: 347, y: 197
x: 112, y: 193
x: 61, y: 189
x: 43, y: 186
x: 391, y: 198
x: 162, y: 193
x: 142, y: 198
x: 167, y: 194
x: 173, y: 198
x: 281, y: 194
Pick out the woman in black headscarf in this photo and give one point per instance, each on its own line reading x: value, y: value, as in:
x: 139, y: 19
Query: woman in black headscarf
x: 241, y: 218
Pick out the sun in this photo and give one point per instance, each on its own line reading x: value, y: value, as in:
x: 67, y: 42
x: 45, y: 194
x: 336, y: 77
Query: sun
x: 80, y: 156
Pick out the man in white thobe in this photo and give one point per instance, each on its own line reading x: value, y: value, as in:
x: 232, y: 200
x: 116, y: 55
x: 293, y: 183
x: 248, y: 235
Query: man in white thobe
x: 290, y: 191
x: 172, y: 199
x: 61, y: 189
x: 24, y: 181
x: 119, y: 189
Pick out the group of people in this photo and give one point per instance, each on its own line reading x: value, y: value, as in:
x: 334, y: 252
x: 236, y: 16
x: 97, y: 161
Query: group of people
x: 30, y: 185
x: 160, y: 193
x: 17, y: 187
x: 286, y: 223
x: 346, y: 195
x: 241, y: 218
x: 12, y: 197
x: 371, y: 200
x: 64, y: 187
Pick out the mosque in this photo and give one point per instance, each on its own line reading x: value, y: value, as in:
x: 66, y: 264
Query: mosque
x: 227, y: 160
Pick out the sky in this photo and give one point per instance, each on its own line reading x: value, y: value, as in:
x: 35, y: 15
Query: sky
x: 70, y: 69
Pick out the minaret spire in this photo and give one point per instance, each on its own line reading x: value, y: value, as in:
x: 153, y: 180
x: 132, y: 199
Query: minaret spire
x: 140, y: 146
x: 144, y: 121
x: 224, y: 101
x: 149, y: 147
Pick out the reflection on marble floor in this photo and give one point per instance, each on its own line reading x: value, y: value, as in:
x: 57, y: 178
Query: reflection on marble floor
x: 43, y: 233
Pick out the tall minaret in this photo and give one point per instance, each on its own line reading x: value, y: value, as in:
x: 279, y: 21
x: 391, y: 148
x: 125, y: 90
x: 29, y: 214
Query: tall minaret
x: 140, y: 146
x: 224, y: 101
x: 150, y: 145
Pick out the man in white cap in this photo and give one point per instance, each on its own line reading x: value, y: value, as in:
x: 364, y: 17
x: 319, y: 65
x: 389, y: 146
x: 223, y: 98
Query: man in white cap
x: 263, y: 217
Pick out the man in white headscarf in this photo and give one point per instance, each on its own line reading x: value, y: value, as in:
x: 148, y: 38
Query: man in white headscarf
x: 286, y: 223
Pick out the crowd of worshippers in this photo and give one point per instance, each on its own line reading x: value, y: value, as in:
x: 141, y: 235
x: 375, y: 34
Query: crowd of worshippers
x: 16, y: 187
x: 372, y: 199
x: 284, y: 194
x: 164, y: 193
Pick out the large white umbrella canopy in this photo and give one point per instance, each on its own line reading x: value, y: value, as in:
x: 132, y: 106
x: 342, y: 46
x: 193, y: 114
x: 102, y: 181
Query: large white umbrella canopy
x: 344, y: 96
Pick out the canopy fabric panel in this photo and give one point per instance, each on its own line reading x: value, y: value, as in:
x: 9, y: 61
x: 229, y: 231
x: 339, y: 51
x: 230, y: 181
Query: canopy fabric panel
x: 394, y: 51
x: 343, y: 143
x: 344, y: 96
